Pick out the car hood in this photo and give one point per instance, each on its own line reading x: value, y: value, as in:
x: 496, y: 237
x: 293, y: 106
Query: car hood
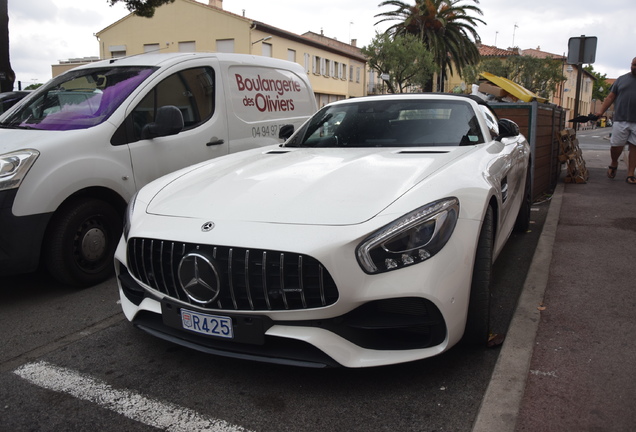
x: 300, y: 186
x: 16, y: 139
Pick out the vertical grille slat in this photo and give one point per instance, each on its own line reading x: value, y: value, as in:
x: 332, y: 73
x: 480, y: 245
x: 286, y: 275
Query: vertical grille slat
x: 230, y: 277
x: 250, y: 279
x: 247, y: 279
x: 143, y: 261
x: 321, y: 285
x: 152, y: 279
x: 301, y: 285
x: 282, y: 280
x: 264, y: 280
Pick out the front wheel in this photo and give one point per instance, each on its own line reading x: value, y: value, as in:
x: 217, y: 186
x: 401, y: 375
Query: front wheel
x: 478, y: 321
x: 81, y: 242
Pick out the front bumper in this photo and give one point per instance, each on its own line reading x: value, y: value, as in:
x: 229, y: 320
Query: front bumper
x: 381, y: 329
x: 381, y: 319
x: 20, y: 237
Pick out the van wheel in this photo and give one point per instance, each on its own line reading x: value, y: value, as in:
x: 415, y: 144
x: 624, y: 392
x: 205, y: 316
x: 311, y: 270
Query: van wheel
x: 81, y: 242
x: 478, y: 320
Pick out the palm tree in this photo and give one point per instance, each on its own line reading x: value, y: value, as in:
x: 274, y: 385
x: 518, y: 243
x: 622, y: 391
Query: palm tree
x: 444, y: 26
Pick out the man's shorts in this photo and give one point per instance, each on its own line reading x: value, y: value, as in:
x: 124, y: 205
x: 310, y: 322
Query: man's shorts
x: 622, y: 133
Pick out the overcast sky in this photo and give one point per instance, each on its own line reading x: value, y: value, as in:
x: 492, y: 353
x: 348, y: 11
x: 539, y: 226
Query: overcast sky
x: 42, y: 32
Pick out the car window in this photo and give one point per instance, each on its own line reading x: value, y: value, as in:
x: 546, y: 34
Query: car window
x: 491, y: 120
x: 78, y: 99
x: 191, y: 90
x: 392, y: 123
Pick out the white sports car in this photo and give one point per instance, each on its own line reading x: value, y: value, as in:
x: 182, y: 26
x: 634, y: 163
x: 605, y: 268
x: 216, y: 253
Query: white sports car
x: 366, y: 239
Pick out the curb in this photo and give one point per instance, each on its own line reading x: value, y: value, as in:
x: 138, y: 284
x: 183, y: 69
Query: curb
x: 502, y: 401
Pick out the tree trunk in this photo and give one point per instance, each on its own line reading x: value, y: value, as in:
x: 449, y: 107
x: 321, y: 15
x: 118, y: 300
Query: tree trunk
x: 7, y: 76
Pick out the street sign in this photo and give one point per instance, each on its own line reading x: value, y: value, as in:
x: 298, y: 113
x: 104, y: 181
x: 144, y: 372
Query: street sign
x: 582, y: 50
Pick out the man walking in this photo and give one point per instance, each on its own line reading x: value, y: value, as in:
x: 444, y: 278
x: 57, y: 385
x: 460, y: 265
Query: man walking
x: 623, y: 93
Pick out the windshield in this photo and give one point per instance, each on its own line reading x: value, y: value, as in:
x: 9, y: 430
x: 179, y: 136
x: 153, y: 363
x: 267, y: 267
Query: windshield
x: 78, y: 99
x: 391, y: 123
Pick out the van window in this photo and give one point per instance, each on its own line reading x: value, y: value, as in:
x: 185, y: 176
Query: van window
x: 78, y: 99
x: 190, y: 90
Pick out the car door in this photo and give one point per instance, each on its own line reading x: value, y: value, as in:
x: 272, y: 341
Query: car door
x: 509, y: 170
x: 196, y: 92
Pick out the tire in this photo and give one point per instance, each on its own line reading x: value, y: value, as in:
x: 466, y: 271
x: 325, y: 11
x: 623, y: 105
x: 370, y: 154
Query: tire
x: 522, y: 223
x: 81, y: 241
x: 478, y: 320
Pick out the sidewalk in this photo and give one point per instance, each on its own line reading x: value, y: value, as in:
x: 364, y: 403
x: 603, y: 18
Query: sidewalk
x: 569, y: 358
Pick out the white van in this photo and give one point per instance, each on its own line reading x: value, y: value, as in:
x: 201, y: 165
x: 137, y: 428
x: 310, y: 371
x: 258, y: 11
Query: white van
x: 75, y: 151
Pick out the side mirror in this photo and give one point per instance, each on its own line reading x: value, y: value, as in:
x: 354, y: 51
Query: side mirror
x: 169, y: 121
x: 507, y: 128
x: 286, y: 131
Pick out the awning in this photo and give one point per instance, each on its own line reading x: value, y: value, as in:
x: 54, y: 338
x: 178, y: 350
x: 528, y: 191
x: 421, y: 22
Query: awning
x: 513, y: 88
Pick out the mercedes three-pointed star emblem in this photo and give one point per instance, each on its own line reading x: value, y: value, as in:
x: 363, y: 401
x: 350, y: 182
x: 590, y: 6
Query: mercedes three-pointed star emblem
x: 199, y: 278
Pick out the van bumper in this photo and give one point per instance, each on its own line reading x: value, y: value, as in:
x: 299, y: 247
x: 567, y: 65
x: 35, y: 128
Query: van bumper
x: 20, y: 237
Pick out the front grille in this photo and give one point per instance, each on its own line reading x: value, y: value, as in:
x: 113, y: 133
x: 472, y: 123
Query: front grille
x: 248, y: 279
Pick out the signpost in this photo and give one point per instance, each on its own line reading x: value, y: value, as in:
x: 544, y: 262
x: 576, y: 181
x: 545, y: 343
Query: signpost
x: 581, y: 50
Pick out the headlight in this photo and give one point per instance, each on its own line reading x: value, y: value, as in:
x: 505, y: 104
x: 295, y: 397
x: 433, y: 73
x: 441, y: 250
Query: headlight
x: 14, y: 167
x: 128, y: 216
x: 413, y: 238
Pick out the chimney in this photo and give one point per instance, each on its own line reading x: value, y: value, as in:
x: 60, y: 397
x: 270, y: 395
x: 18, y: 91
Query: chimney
x: 354, y: 42
x: 216, y: 3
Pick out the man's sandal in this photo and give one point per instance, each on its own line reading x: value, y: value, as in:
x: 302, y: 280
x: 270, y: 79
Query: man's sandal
x: 611, y: 171
x: 631, y: 180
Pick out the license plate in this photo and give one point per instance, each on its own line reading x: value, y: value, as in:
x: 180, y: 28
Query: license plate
x: 211, y: 325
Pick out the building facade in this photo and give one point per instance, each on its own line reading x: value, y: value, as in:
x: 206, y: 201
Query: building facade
x: 336, y: 70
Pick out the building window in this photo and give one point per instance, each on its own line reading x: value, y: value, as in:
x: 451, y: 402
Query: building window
x: 291, y: 55
x: 225, y: 45
x: 315, y: 66
x: 187, y: 46
x: 117, y: 51
x: 344, y: 72
x: 351, y: 73
x: 307, y: 63
x: 151, y: 48
x: 357, y: 75
x: 266, y: 50
x: 328, y: 71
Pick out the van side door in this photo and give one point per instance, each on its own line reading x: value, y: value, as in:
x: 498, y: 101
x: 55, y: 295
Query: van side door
x: 197, y: 94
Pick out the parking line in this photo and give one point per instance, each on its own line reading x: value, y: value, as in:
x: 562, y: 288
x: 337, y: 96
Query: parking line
x: 166, y: 416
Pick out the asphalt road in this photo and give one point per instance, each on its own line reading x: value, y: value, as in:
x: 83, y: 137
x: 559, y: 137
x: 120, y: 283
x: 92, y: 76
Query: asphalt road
x: 70, y: 361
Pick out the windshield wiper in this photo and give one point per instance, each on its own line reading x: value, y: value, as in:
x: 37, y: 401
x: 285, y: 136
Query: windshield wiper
x: 14, y: 126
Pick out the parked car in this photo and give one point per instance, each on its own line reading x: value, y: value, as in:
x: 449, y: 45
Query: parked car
x: 366, y: 239
x: 75, y: 151
x: 8, y: 99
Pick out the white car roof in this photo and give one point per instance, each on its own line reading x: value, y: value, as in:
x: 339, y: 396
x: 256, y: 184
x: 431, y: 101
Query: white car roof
x: 168, y: 59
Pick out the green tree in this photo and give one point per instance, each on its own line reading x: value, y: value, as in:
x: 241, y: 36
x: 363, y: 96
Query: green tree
x: 33, y: 86
x: 601, y: 87
x: 446, y: 28
x: 142, y: 8
x: 404, y: 59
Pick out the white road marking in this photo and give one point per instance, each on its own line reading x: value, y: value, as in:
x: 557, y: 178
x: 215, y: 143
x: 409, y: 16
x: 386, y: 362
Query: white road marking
x: 162, y: 415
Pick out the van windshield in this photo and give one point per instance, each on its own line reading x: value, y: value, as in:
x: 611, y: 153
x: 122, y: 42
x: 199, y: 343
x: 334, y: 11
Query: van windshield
x: 77, y: 99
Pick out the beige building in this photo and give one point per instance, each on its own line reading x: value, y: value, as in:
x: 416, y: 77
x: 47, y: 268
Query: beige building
x: 336, y: 69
